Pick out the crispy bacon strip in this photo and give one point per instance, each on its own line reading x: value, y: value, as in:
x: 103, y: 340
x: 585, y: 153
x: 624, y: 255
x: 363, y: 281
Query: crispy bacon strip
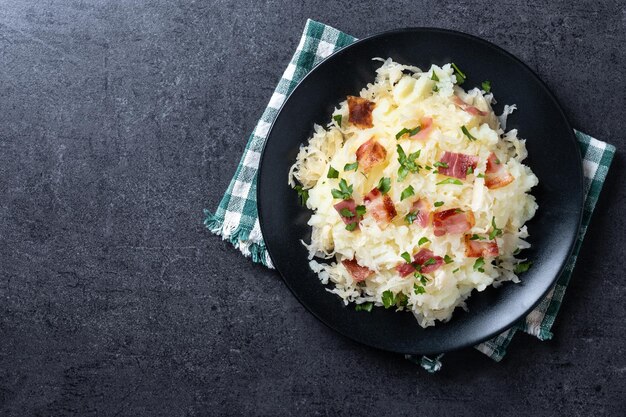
x: 468, y: 108
x: 426, y: 126
x: 349, y: 205
x: 380, y: 207
x: 422, y: 210
x: 452, y: 221
x: 457, y: 164
x: 359, y: 273
x: 480, y: 248
x: 421, y: 258
x: 496, y: 175
x: 360, y: 111
x: 369, y: 154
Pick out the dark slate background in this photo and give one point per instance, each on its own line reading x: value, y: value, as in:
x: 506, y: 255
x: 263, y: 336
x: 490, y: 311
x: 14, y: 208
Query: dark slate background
x: 121, y: 120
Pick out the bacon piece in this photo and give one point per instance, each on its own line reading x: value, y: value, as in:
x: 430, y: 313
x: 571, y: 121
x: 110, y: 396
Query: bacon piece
x: 478, y: 248
x: 423, y: 256
x: 496, y: 175
x: 457, y: 164
x: 351, y: 206
x: 405, y: 269
x: 369, y: 154
x: 468, y: 108
x: 420, y: 258
x: 380, y: 206
x: 426, y: 126
x: 422, y: 210
x: 360, y: 111
x: 359, y: 273
x: 452, y: 221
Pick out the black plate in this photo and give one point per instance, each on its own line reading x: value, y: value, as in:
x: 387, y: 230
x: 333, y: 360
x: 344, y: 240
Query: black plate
x: 553, y: 156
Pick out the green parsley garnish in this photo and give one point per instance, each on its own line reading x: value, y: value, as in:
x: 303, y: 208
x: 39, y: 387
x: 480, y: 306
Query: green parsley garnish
x: 332, y: 173
x: 344, y: 192
x: 360, y: 210
x: 481, y: 175
x: 407, y: 192
x: 423, y: 240
x: 486, y: 86
x: 418, y: 289
x: 470, y: 170
x: 458, y: 210
x: 438, y: 203
x: 430, y: 261
x: 407, y: 163
x: 351, y: 167
x: 447, y: 259
x: 478, y: 265
x: 460, y: 79
x: 450, y: 181
x: 406, y: 257
x: 410, y: 218
x: 456, y: 270
x: 495, y: 232
x: 364, y: 307
x: 476, y: 237
x: 346, y: 213
x: 434, y: 76
x: 337, y: 118
x: 467, y: 133
x: 440, y: 164
x: 411, y: 132
x: 351, y: 226
x: 401, y: 299
x: 522, y: 267
x: 302, y: 193
x: 384, y: 185
x: 388, y: 299
x: 428, y: 167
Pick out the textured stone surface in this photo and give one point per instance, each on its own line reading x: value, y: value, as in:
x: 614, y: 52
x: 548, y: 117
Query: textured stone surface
x: 121, y: 120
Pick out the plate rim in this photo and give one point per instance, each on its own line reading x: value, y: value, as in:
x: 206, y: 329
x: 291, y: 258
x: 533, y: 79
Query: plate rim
x: 572, y: 136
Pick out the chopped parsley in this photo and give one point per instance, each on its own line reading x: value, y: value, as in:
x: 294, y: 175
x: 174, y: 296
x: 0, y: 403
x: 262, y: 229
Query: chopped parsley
x: 337, y: 118
x: 476, y: 237
x: 364, y: 307
x: 351, y: 167
x: 470, y: 170
x: 384, y: 185
x: 467, y: 133
x: 481, y: 175
x: 344, y: 192
x: 456, y: 270
x: 360, y: 210
x: 460, y: 76
x: 332, y: 173
x: 522, y: 267
x: 478, y: 265
x: 440, y: 164
x: 411, y: 132
x: 450, y: 181
x: 346, y: 213
x: 302, y: 193
x: 428, y: 167
x: 407, y: 192
x: 430, y: 261
x: 406, y: 257
x: 447, y: 259
x: 407, y: 163
x: 351, y: 226
x: 486, y: 85
x: 438, y: 203
x: 434, y: 76
x: 423, y: 240
x: 389, y: 299
x: 418, y: 289
x: 410, y: 218
x: 495, y: 232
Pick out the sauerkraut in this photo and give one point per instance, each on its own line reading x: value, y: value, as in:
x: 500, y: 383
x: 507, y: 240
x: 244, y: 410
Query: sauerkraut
x: 461, y: 122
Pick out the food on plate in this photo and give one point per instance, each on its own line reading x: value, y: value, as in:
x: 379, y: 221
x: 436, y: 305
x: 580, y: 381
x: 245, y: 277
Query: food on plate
x: 419, y: 194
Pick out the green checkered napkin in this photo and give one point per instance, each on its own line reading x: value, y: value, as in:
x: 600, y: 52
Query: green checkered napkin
x: 236, y: 218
